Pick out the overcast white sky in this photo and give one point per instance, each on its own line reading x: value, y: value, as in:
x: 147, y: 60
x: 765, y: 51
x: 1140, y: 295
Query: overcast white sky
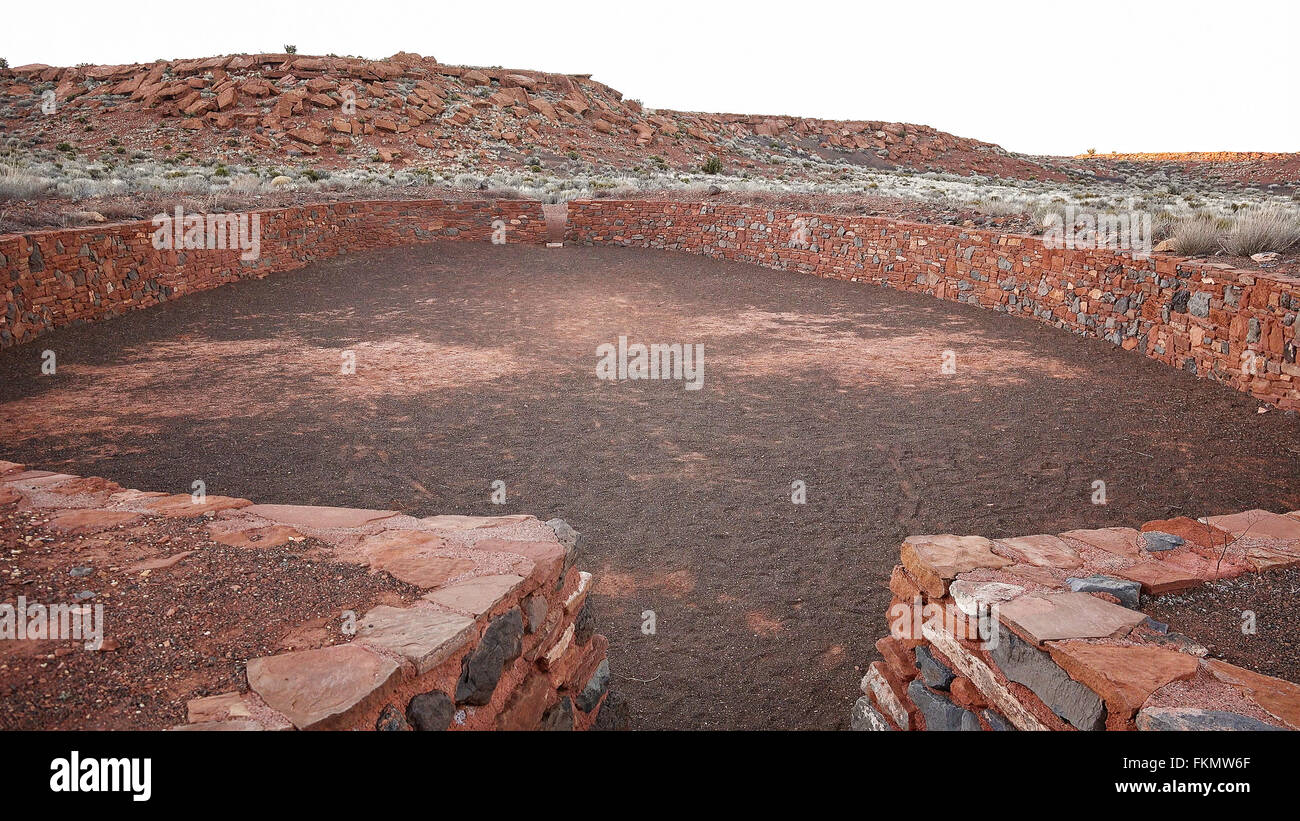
x: 1040, y: 77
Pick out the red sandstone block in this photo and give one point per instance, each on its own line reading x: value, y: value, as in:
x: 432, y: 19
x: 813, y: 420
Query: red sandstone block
x: 965, y: 694
x: 897, y: 657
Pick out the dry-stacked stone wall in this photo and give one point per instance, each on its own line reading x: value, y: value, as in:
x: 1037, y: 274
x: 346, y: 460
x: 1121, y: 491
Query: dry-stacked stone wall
x: 49, y: 279
x: 492, y: 633
x: 1233, y: 326
x: 1045, y: 632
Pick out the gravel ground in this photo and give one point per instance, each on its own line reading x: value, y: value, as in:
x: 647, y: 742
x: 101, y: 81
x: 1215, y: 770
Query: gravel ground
x: 1215, y: 614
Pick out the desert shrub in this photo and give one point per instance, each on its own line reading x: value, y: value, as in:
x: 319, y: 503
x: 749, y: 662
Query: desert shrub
x: 245, y: 184
x: 1196, y: 236
x: 18, y: 184
x: 223, y: 202
x: 288, y: 49
x: 1265, y: 229
x: 1162, y: 226
x: 79, y: 189
x: 996, y: 207
x: 340, y: 183
x: 193, y: 185
x: 712, y: 165
x: 115, y: 210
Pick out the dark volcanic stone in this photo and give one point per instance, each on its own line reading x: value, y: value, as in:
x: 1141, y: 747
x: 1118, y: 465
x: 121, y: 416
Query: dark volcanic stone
x: 1179, y: 303
x: 482, y: 668
x: 559, y: 716
x: 390, y: 718
x: 584, y: 626
x: 1129, y: 593
x: 1186, y: 718
x: 1155, y: 541
x: 934, y: 672
x: 431, y: 711
x: 595, y: 688
x: 1027, y: 665
x: 939, y: 712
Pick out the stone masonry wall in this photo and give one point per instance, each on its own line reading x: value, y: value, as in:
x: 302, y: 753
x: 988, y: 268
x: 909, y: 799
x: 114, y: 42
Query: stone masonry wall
x: 498, y: 638
x: 1221, y: 323
x: 49, y: 279
x: 1045, y: 632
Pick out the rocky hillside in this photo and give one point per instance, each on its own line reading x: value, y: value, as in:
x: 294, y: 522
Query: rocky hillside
x: 1221, y: 168
x: 412, y: 112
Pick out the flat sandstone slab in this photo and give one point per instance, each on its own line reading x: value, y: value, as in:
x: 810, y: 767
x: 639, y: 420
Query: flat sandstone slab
x: 318, y: 689
x: 475, y: 596
x: 1257, y: 523
x: 1041, y: 551
x: 316, y: 516
x: 454, y: 522
x: 1122, y: 541
x: 1161, y: 577
x: 422, y: 634
x: 1053, y: 616
x: 86, y: 520
x: 1278, y: 696
x: 183, y: 505
x: 936, y: 560
x: 1124, y: 675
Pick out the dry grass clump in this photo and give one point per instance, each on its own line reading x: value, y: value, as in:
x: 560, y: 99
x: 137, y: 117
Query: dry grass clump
x: 1196, y: 236
x: 18, y: 184
x: 1270, y: 228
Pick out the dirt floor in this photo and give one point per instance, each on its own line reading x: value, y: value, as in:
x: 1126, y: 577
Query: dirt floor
x: 477, y: 363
